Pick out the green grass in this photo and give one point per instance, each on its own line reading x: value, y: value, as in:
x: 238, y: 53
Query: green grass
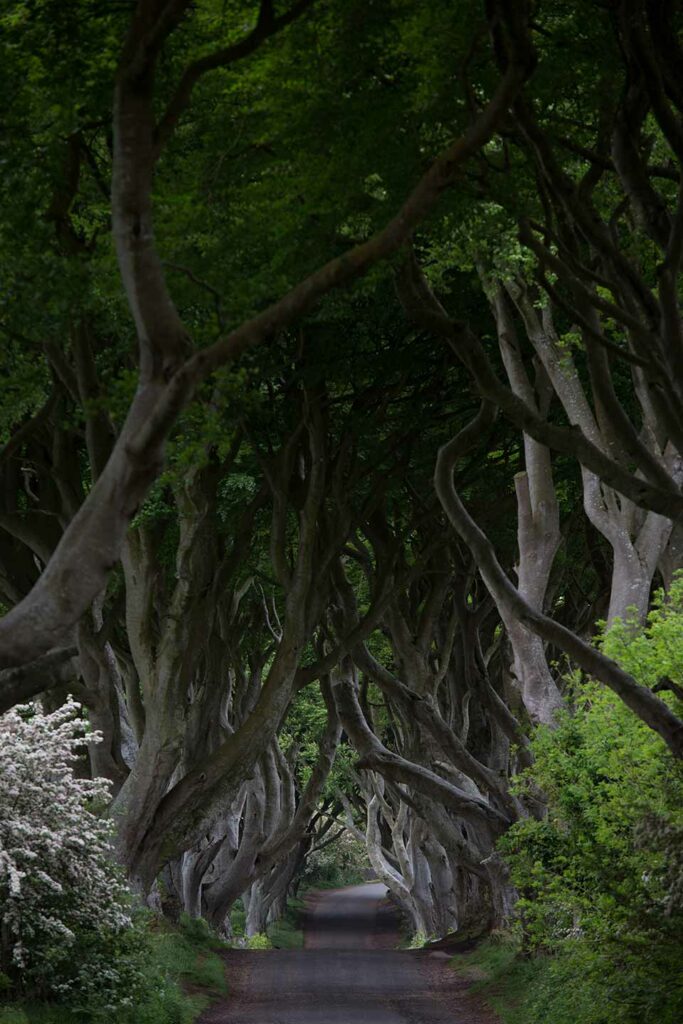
x: 189, y: 955
x: 185, y: 975
x: 238, y: 920
x: 573, y: 987
x: 496, y: 972
x: 287, y: 933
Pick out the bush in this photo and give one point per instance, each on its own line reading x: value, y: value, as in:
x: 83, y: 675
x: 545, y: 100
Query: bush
x: 601, y: 878
x: 66, y: 927
x: 173, y: 958
x: 539, y: 990
x: 418, y: 940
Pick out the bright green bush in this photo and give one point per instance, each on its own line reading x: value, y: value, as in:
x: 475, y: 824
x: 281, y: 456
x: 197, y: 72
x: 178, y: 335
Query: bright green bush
x: 601, y: 878
x: 418, y: 940
x: 656, y: 650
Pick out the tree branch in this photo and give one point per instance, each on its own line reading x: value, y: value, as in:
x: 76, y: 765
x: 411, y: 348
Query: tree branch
x: 18, y: 685
x: 267, y: 25
x: 654, y: 712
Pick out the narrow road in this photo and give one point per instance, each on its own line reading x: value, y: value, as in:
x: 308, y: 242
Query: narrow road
x: 348, y: 973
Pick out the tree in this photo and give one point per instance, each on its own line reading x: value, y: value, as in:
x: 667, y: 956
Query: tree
x: 168, y: 378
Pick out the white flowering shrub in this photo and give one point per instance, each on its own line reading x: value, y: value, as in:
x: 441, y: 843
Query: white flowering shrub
x: 65, y: 914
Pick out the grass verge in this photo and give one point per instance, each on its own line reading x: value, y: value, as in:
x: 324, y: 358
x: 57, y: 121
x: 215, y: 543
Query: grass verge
x: 575, y: 986
x: 496, y: 972
x: 287, y: 933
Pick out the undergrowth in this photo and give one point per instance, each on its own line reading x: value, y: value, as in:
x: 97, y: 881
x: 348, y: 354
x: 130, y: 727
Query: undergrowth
x: 184, y: 974
x: 287, y: 933
x: 571, y: 987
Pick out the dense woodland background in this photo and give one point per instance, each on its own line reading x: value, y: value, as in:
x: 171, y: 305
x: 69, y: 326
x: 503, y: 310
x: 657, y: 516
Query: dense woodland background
x: 342, y: 459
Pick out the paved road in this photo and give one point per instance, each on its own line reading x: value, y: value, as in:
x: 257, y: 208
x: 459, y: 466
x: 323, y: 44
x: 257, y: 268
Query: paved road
x: 348, y: 973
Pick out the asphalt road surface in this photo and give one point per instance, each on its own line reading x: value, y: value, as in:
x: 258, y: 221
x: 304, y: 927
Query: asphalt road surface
x: 348, y: 973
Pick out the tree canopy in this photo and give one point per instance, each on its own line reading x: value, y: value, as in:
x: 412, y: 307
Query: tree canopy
x: 343, y: 372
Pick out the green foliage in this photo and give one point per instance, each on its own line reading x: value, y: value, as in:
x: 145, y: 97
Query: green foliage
x: 657, y: 650
x: 12, y: 1016
x: 562, y: 989
x: 418, y: 941
x: 189, y: 953
x: 249, y: 199
x: 260, y: 941
x: 601, y: 877
x: 174, y: 962
x: 341, y: 863
x: 238, y: 920
x: 287, y: 933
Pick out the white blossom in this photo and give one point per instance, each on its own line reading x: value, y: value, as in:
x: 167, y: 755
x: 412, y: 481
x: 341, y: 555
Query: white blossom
x: 57, y: 878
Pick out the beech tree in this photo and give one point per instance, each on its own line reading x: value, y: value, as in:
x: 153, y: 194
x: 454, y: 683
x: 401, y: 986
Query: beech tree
x: 168, y: 379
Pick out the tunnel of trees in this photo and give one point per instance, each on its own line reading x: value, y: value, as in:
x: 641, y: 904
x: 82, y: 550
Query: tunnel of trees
x: 341, y: 415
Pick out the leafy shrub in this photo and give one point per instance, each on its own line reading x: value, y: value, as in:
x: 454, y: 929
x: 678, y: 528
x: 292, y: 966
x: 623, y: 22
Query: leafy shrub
x: 656, y: 650
x: 173, y: 958
x: 65, y: 912
x: 542, y: 989
x: 601, y: 878
x: 259, y: 941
